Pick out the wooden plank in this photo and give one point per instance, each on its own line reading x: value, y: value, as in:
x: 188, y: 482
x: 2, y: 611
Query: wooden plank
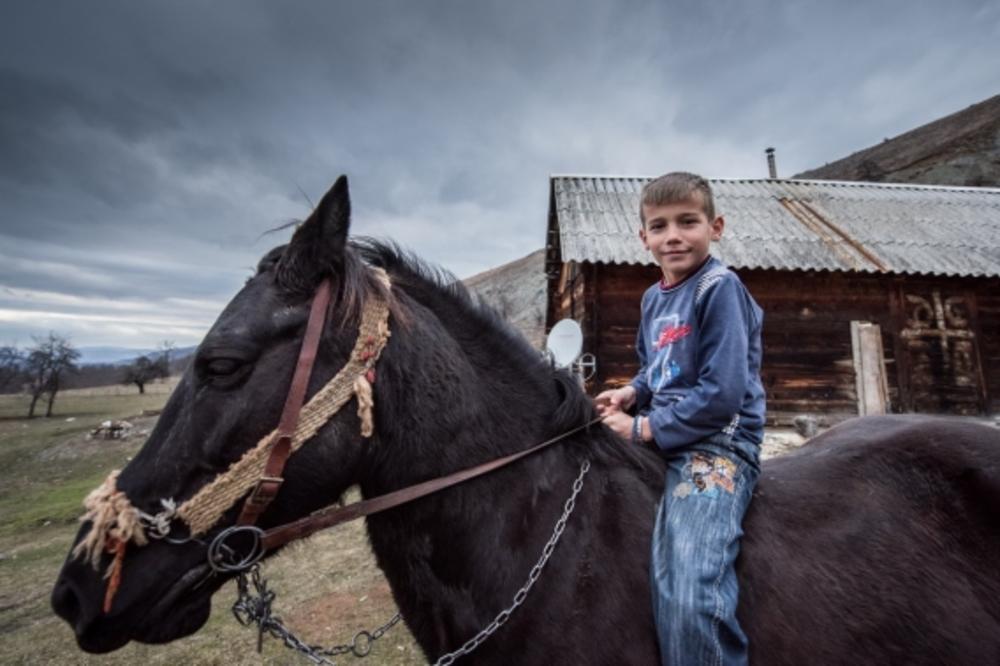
x: 869, y: 365
x: 898, y: 317
x: 985, y: 348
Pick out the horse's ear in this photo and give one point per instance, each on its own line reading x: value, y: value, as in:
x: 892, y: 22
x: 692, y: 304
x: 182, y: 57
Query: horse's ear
x: 317, y: 246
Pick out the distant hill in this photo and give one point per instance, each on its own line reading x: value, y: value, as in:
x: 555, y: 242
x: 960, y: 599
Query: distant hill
x: 517, y: 291
x: 94, y: 372
x: 122, y: 355
x: 960, y: 149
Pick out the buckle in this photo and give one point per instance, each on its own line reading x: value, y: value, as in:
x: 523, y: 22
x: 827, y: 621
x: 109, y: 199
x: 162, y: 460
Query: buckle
x: 266, y: 489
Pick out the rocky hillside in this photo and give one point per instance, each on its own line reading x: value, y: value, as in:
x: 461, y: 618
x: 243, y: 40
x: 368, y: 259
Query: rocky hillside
x: 960, y: 149
x: 517, y: 291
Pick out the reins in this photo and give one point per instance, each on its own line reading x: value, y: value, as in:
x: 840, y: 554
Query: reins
x: 326, y: 518
x: 255, y: 607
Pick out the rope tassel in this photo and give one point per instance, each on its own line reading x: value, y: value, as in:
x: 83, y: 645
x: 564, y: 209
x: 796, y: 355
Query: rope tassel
x: 112, y: 519
x: 114, y: 572
x: 363, y: 391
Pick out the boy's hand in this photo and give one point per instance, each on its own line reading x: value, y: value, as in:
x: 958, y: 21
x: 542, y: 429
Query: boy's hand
x: 615, y: 400
x: 621, y: 423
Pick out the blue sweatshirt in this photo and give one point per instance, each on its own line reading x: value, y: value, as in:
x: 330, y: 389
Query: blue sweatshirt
x: 699, y: 350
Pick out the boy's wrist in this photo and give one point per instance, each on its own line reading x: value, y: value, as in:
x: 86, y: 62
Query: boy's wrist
x: 638, y: 393
x: 629, y: 396
x: 640, y: 429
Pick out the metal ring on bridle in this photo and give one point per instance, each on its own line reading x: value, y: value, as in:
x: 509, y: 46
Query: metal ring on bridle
x: 224, y: 559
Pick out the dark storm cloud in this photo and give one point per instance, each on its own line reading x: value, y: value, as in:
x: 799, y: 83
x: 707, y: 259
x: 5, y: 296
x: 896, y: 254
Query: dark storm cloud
x: 145, y: 146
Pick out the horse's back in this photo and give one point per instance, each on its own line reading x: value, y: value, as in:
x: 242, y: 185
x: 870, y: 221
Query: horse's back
x: 879, y: 538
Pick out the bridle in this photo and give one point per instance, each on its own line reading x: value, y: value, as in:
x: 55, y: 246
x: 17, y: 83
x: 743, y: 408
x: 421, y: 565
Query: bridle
x: 270, y: 481
x: 257, y: 475
x: 115, y: 522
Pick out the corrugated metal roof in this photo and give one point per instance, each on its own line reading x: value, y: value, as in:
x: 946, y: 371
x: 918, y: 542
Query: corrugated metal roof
x: 800, y: 225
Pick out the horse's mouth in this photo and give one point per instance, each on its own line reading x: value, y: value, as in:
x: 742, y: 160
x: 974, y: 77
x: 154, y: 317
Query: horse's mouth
x: 182, y: 609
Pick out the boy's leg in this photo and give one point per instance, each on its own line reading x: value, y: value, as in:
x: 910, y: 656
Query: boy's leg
x: 695, y: 543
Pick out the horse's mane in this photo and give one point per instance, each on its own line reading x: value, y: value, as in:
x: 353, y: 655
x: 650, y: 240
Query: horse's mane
x: 432, y: 285
x: 473, y: 322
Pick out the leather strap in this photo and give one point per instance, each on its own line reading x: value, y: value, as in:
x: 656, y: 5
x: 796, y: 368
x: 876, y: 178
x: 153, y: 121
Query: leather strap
x: 270, y: 482
x: 324, y: 518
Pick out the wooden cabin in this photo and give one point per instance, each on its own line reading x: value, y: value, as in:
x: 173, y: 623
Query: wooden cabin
x: 877, y: 297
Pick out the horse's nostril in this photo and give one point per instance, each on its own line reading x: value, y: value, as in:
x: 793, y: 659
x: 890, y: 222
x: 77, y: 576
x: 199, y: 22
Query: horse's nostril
x: 65, y: 601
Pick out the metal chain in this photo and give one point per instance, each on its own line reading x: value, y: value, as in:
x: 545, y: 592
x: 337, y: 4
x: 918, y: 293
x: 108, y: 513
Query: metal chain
x: 255, y: 607
x: 536, y: 571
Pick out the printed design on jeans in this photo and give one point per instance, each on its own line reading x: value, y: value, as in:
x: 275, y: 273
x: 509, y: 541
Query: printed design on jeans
x: 663, y: 370
x: 706, y: 476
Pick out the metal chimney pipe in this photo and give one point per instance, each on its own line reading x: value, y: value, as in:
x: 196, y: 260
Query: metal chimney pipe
x: 772, y: 169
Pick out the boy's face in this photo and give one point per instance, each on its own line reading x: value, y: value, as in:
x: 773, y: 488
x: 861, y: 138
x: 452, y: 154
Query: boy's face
x: 678, y: 236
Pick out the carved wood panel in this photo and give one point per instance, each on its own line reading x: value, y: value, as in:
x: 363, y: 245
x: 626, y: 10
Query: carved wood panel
x: 939, y: 338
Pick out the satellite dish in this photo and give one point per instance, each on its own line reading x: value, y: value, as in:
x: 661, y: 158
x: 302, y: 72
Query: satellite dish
x: 565, y: 342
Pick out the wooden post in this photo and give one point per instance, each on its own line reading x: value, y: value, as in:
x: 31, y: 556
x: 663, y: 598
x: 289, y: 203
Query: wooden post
x: 869, y: 368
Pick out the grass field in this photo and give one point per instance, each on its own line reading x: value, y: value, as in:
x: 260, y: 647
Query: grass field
x: 328, y: 588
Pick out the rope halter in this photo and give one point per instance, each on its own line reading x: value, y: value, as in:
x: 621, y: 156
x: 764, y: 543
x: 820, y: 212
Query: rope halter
x: 115, y: 522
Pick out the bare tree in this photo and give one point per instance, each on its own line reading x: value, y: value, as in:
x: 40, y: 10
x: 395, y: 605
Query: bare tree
x: 11, y: 366
x: 47, y: 362
x: 145, y: 369
x: 166, y: 348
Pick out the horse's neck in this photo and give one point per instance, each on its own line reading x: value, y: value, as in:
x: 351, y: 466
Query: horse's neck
x: 456, y: 558
x: 452, y: 401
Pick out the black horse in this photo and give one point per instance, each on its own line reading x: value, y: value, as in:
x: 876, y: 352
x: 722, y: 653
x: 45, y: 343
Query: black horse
x: 879, y: 542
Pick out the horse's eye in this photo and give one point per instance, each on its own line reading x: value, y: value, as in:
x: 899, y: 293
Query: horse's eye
x: 222, y: 367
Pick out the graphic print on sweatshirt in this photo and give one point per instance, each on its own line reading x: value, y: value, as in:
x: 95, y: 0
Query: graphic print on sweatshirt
x: 664, y: 369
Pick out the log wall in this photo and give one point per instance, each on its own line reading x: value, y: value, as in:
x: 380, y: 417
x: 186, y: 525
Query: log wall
x: 940, y: 336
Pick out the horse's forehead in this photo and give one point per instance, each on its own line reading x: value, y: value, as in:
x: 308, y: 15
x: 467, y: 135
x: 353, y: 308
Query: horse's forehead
x: 256, y: 310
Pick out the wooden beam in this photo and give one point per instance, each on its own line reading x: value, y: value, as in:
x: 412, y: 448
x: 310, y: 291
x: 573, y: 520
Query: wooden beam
x: 869, y: 366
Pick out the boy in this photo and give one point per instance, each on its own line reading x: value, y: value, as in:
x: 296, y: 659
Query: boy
x: 699, y: 398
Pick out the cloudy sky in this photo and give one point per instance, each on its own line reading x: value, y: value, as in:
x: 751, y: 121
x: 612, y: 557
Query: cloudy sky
x: 145, y: 147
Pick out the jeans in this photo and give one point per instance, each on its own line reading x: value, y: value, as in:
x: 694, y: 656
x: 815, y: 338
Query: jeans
x: 695, y: 543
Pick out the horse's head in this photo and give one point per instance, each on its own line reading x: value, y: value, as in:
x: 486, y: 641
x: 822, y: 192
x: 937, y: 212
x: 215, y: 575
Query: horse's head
x: 229, y: 400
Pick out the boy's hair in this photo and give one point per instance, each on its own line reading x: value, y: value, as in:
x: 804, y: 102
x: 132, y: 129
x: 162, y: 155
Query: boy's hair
x: 676, y: 186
